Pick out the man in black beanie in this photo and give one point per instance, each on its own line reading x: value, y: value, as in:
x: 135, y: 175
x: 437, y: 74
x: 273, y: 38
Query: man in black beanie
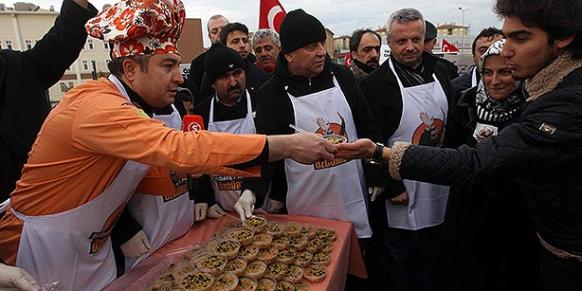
x: 229, y: 109
x: 310, y: 92
x: 430, y: 39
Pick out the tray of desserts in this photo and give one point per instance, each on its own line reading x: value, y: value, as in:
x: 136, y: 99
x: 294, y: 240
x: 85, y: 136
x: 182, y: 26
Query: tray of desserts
x: 255, y: 255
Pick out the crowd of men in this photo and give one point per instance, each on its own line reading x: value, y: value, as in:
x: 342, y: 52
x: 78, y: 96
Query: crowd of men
x: 111, y: 169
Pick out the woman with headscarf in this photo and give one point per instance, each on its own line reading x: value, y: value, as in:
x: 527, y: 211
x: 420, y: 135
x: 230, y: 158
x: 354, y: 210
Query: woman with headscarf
x: 487, y: 242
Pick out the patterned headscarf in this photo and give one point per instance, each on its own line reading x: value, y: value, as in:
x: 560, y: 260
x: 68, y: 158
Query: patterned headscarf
x: 489, y: 109
x: 139, y: 27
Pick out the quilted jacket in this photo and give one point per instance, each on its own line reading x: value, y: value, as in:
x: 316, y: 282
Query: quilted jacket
x: 543, y: 152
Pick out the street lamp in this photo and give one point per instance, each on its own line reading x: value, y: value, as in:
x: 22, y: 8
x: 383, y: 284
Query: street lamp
x: 463, y: 25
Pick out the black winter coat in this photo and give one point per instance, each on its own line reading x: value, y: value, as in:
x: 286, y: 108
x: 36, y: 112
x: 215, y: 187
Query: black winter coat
x: 25, y: 78
x: 543, y: 152
x: 275, y: 113
x: 471, y: 253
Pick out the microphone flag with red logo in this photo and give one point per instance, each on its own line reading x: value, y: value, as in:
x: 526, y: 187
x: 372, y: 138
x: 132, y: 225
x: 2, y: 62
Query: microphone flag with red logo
x: 192, y: 123
x: 448, y: 47
x: 271, y: 14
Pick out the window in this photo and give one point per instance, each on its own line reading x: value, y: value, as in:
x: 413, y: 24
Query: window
x: 106, y: 45
x: 9, y: 44
x: 28, y: 44
x: 65, y: 87
x: 85, y: 66
x: 90, y: 43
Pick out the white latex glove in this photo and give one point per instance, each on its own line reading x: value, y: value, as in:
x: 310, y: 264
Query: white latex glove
x: 200, y: 211
x: 13, y: 277
x: 274, y: 206
x: 401, y: 199
x: 245, y: 204
x: 375, y: 192
x: 215, y: 211
x: 137, y: 246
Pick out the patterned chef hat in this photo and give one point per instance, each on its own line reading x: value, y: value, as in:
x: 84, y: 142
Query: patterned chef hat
x: 139, y: 27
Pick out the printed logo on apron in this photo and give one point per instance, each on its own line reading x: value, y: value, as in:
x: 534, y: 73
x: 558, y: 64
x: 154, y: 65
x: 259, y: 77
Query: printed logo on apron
x: 180, y: 190
x: 227, y: 183
x: 430, y: 131
x: 227, y: 188
x: 98, y: 239
x: 325, y: 128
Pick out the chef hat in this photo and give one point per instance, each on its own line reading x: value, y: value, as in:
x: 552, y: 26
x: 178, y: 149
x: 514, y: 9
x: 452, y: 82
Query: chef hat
x: 139, y: 27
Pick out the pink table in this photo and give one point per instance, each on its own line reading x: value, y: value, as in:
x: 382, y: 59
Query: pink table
x: 346, y: 256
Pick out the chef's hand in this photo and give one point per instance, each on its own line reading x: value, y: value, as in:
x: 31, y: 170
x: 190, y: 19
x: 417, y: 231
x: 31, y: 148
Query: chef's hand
x: 200, y: 211
x: 304, y: 148
x: 401, y: 199
x: 215, y: 211
x: 245, y: 204
x: 274, y: 206
x: 137, y: 246
x: 13, y: 277
x: 375, y: 192
x: 359, y: 149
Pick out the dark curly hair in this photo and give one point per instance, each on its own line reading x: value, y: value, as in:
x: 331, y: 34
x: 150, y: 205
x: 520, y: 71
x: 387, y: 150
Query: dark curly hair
x: 558, y: 18
x: 225, y: 31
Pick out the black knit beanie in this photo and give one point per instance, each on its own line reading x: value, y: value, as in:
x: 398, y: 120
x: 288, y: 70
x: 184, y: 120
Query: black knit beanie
x: 220, y: 60
x: 299, y: 29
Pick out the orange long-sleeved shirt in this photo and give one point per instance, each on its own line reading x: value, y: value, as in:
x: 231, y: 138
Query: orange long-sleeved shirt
x: 86, y: 140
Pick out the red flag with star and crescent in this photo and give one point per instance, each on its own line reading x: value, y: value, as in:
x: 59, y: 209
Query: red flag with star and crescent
x: 448, y: 47
x: 271, y: 14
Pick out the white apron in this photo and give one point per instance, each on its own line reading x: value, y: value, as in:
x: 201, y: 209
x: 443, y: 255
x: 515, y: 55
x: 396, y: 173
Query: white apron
x: 74, y: 247
x: 162, y: 218
x: 226, y: 188
x: 424, y: 112
x: 329, y: 189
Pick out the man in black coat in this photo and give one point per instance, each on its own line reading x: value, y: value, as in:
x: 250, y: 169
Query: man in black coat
x: 25, y: 78
x: 409, y: 240
x: 430, y: 39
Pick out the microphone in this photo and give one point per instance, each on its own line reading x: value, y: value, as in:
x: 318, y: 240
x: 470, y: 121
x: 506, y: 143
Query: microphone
x: 192, y: 123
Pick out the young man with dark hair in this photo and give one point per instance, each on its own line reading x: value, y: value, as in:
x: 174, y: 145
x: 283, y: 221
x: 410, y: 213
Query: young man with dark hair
x: 470, y: 78
x: 542, y: 152
x: 365, y: 51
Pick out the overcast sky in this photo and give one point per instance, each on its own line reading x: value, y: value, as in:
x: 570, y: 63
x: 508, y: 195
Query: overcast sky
x: 342, y: 17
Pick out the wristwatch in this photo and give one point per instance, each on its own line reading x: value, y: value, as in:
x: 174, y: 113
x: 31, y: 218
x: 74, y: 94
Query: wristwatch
x: 376, y: 158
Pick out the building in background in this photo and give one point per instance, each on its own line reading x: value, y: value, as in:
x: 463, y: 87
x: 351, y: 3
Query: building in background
x: 26, y: 23
x: 329, y: 42
x: 458, y: 35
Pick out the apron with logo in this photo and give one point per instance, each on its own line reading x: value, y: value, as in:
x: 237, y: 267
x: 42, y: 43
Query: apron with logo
x: 226, y: 188
x: 74, y: 247
x: 162, y: 218
x: 424, y: 110
x: 329, y: 189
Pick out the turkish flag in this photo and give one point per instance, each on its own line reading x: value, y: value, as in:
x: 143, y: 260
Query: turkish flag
x: 448, y: 47
x: 271, y: 14
x: 348, y: 60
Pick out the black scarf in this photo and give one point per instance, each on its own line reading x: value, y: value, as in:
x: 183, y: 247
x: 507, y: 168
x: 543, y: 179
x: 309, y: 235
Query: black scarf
x: 490, y: 110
